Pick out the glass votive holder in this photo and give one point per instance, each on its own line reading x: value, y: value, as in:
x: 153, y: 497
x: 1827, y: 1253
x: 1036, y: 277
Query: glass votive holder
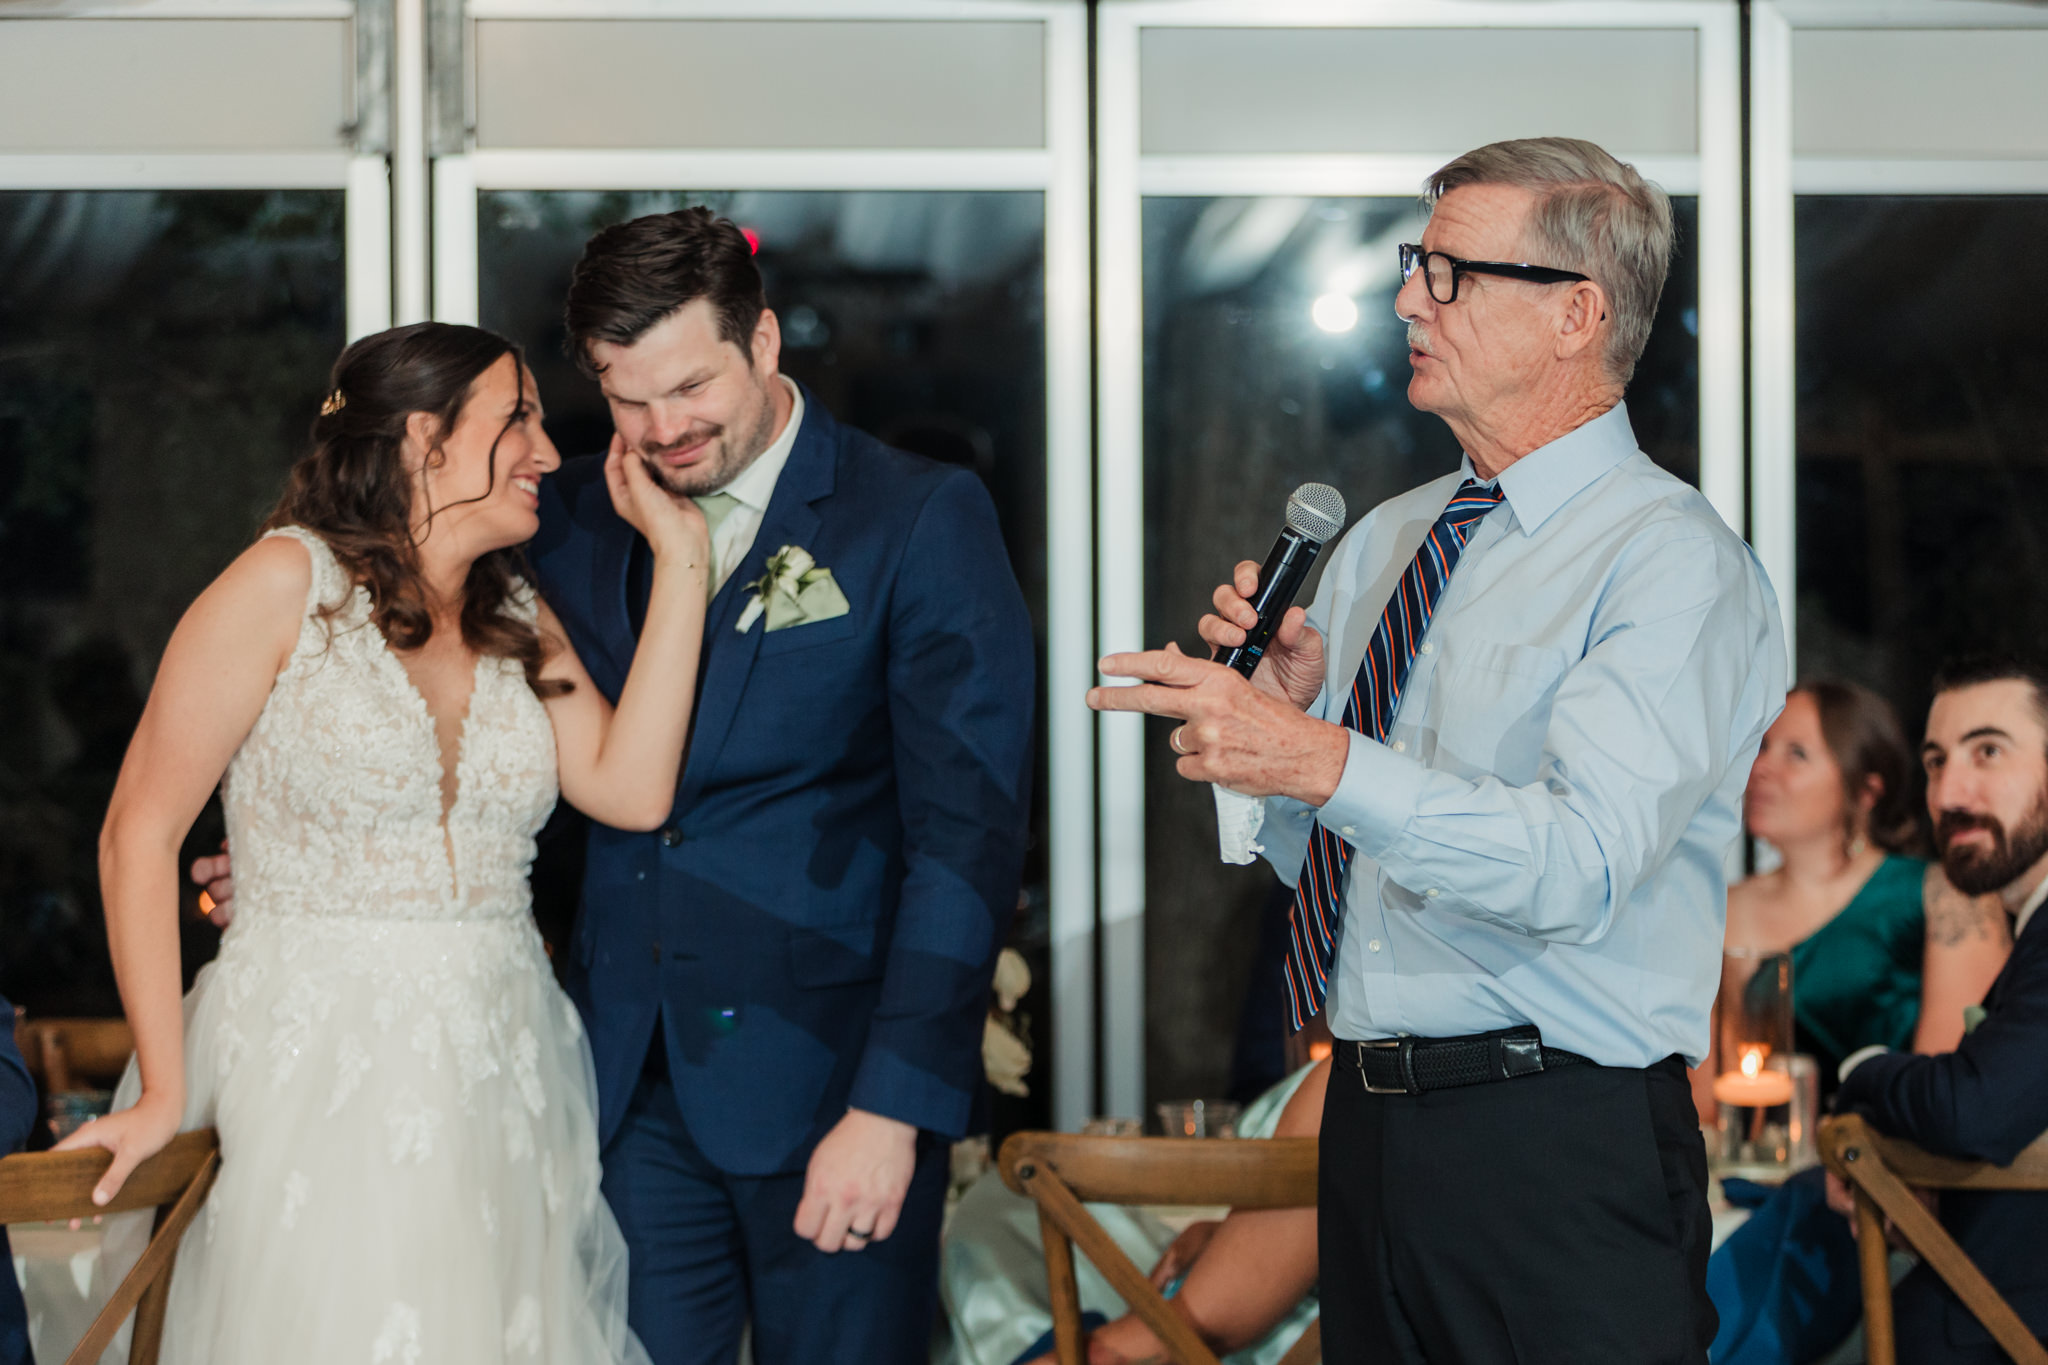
x: 1802, y: 1141
x: 1199, y: 1118
x: 1113, y: 1127
x: 1753, y: 1085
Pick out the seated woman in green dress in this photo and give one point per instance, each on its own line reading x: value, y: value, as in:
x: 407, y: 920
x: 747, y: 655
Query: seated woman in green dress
x: 1832, y: 792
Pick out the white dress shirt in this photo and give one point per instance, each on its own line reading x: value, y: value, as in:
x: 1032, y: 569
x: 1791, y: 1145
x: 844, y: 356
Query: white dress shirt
x: 1542, y: 837
x: 752, y: 489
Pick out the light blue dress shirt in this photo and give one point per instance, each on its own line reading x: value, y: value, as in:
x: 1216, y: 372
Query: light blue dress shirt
x: 1542, y: 838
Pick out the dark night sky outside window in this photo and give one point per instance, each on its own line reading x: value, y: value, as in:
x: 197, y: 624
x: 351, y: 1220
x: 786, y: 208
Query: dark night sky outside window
x: 1922, y: 464
x: 162, y: 354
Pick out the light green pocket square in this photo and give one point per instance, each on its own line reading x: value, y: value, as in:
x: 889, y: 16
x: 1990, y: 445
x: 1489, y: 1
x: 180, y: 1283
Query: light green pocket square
x: 795, y: 591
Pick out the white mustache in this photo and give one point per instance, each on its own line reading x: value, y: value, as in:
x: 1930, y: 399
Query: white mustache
x: 1418, y: 340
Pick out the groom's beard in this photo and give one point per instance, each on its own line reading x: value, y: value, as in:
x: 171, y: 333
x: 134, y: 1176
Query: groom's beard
x: 731, y: 450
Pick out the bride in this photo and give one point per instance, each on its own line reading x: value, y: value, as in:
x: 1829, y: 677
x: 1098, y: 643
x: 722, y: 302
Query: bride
x: 404, y: 1097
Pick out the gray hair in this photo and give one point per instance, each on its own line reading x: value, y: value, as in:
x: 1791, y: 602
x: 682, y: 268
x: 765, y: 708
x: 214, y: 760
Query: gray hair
x: 1593, y: 214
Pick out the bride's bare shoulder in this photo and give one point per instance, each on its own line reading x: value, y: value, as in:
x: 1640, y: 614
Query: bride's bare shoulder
x: 275, y: 571
x: 260, y: 597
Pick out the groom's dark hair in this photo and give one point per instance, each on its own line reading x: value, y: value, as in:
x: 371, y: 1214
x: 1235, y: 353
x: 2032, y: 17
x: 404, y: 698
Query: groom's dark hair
x: 634, y: 274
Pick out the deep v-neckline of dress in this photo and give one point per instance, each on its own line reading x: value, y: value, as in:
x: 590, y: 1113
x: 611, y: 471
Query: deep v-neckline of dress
x: 446, y: 773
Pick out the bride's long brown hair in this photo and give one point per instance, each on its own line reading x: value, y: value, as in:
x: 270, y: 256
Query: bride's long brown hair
x: 353, y: 490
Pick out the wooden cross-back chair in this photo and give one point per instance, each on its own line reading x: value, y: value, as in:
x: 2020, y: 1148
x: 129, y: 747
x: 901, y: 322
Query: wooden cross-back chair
x: 1062, y: 1171
x: 48, y: 1186
x: 1883, y: 1172
x: 62, y: 1053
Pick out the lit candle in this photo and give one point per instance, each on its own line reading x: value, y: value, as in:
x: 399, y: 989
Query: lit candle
x: 1752, y: 1085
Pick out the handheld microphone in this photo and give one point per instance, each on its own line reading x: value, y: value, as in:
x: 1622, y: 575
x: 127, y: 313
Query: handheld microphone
x: 1315, y: 514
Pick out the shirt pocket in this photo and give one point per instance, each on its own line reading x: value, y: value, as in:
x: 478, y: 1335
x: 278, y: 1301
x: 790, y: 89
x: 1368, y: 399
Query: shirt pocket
x: 1492, y: 707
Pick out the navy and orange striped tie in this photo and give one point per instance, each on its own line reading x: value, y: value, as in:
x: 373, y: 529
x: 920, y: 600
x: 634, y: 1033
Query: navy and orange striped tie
x: 1318, y: 897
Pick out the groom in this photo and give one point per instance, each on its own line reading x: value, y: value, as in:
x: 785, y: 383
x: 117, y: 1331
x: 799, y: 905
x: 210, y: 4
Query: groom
x: 785, y: 985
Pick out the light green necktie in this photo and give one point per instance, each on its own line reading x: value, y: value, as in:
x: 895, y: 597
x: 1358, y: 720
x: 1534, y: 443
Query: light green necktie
x: 716, y: 508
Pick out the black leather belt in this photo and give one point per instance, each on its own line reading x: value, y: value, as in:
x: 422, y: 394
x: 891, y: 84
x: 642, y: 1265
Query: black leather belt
x: 1409, y: 1066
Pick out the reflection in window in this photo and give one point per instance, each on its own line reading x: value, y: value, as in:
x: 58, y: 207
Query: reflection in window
x: 161, y: 357
x: 1273, y: 357
x: 917, y: 317
x: 1923, y: 393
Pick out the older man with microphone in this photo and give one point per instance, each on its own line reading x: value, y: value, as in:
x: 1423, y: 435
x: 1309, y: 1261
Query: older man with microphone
x: 1502, y: 758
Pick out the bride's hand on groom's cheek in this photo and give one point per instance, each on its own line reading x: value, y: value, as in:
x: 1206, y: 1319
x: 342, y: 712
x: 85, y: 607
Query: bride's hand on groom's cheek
x: 673, y: 526
x: 856, y: 1182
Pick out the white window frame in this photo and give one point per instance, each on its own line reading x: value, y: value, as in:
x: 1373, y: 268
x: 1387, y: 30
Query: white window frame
x: 1060, y: 172
x: 364, y: 180
x: 1125, y: 177
x: 1777, y: 177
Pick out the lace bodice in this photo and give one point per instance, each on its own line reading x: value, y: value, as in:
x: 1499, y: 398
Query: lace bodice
x: 334, y: 801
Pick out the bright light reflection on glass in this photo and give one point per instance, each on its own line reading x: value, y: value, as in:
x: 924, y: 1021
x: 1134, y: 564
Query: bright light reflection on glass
x: 1334, y: 313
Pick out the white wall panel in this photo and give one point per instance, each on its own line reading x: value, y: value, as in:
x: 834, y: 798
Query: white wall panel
x: 1960, y: 93
x: 1367, y: 90
x: 183, y: 85
x: 744, y: 83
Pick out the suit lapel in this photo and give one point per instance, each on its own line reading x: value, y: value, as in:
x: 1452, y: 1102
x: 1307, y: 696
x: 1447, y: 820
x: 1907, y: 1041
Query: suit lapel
x: 728, y: 655
x: 610, y: 613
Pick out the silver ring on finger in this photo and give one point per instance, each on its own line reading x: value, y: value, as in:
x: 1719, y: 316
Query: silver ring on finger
x: 1173, y: 742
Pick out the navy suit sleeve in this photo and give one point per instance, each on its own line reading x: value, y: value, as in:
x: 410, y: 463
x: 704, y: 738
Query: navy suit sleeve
x: 962, y: 683
x: 17, y: 1088
x: 1987, y: 1100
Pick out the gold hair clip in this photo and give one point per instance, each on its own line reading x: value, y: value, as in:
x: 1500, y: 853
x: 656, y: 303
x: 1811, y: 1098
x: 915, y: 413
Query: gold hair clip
x: 334, y: 403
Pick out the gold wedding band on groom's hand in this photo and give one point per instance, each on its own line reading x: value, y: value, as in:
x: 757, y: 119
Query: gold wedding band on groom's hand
x: 1173, y: 742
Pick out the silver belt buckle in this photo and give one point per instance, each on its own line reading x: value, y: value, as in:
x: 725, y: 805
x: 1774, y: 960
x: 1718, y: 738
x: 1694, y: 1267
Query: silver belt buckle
x: 1404, y: 1049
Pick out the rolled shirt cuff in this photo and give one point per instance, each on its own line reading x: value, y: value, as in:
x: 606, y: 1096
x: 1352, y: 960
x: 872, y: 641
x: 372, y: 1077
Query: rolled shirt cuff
x: 1238, y: 821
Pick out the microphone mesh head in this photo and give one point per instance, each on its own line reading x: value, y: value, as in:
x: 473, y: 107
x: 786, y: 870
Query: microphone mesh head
x: 1315, y: 510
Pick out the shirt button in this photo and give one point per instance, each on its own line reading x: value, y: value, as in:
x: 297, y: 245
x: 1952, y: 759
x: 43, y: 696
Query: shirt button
x: 1428, y: 648
x: 671, y: 836
x: 1348, y: 831
x: 1400, y: 746
x: 1432, y: 893
x: 1374, y: 945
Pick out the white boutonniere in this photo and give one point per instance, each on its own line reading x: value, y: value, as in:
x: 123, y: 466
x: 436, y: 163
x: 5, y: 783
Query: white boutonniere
x: 796, y: 590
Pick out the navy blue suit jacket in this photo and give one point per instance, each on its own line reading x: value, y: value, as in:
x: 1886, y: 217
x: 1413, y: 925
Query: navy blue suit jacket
x: 818, y: 921
x: 17, y: 1121
x: 1986, y: 1101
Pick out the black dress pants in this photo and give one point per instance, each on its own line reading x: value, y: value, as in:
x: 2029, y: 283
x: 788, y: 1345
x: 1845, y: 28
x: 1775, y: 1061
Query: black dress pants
x: 1553, y: 1219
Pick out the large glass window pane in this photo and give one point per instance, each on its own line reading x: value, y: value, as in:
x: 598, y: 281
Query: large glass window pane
x: 1273, y: 357
x: 161, y: 357
x: 916, y: 316
x: 1923, y: 396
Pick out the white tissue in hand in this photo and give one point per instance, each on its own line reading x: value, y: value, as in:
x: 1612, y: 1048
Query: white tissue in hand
x: 1238, y: 821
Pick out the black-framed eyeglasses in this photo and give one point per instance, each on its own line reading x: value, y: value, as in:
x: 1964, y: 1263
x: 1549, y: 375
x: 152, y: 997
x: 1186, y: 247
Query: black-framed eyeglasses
x: 1440, y: 272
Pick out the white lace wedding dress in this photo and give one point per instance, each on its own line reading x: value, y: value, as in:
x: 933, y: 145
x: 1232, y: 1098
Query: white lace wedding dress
x: 409, y: 1168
